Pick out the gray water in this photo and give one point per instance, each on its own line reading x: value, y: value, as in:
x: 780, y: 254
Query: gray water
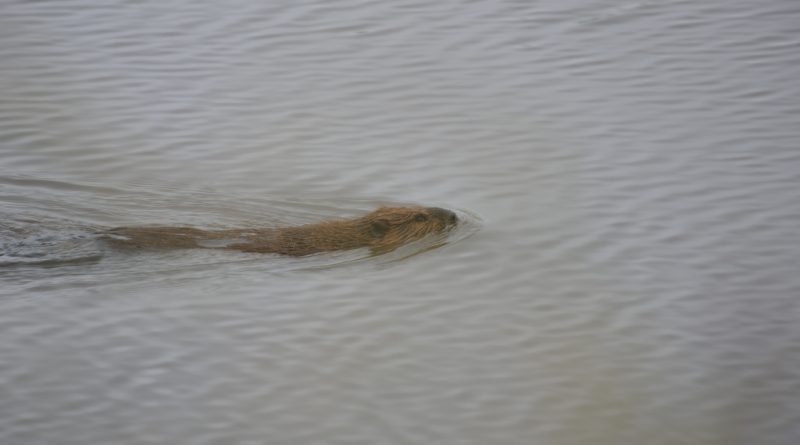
x: 626, y: 270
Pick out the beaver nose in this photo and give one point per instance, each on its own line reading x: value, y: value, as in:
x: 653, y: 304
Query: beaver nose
x: 443, y: 214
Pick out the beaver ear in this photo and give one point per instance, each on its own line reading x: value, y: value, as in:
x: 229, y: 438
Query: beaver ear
x: 379, y: 227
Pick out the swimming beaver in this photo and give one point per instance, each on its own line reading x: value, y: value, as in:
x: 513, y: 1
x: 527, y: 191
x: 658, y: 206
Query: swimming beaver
x: 383, y: 230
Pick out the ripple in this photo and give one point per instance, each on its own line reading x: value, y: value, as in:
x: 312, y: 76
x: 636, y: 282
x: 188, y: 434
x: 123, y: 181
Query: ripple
x: 630, y: 278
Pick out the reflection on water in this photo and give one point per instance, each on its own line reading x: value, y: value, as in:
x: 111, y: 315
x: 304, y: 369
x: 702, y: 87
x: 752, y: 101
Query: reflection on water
x: 625, y: 272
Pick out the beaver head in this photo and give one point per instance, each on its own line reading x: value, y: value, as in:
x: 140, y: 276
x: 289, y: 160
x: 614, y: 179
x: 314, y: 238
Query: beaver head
x: 391, y: 227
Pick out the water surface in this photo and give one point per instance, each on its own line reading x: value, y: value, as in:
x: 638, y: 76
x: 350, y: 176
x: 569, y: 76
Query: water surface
x: 628, y: 173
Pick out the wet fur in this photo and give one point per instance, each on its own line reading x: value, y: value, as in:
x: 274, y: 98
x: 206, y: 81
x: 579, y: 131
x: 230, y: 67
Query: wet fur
x: 383, y: 230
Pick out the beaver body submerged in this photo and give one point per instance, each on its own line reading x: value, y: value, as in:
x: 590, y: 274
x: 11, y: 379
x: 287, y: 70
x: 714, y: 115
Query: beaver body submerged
x: 382, y: 230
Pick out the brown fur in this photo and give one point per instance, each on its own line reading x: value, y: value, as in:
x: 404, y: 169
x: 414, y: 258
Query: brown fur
x: 383, y: 230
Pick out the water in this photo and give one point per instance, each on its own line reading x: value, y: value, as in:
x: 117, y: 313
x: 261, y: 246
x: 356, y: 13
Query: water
x: 626, y: 273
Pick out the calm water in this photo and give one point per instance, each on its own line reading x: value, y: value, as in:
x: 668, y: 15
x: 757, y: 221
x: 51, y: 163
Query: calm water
x: 628, y: 174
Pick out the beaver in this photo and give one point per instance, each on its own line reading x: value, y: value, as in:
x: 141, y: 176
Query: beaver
x: 382, y: 230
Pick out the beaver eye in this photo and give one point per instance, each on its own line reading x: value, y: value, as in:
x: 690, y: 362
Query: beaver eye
x: 421, y: 217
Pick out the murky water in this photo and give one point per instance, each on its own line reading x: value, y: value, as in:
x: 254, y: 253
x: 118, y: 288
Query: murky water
x: 628, y: 174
